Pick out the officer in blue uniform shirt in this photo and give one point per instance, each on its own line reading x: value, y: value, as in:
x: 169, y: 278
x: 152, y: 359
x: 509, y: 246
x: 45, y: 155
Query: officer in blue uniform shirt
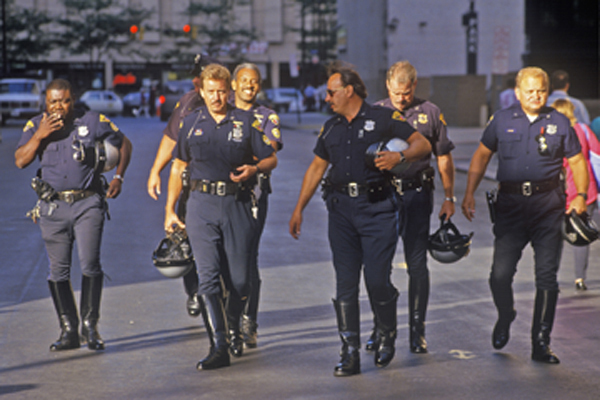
x: 246, y: 85
x: 72, y: 204
x: 531, y: 141
x: 417, y: 193
x: 219, y: 144
x: 363, y: 209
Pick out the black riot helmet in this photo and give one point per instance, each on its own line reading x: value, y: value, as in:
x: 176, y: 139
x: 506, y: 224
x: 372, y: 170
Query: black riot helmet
x: 393, y: 144
x: 173, y: 257
x: 447, y: 245
x: 579, y: 230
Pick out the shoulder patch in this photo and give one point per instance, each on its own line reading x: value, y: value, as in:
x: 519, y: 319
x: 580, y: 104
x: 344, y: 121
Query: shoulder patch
x: 177, y: 105
x: 113, y: 126
x: 490, y: 120
x: 321, y: 131
x: 274, y: 118
x: 276, y: 133
x: 442, y: 120
x: 104, y: 118
x: 266, y: 140
x: 28, y: 125
x: 397, y: 115
x: 256, y: 125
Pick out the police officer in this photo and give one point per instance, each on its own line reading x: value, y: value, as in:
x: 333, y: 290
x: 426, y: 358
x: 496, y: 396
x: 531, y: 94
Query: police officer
x: 417, y: 190
x: 218, y: 143
x: 246, y: 85
x: 72, y: 204
x: 186, y: 104
x: 531, y: 141
x: 363, y: 209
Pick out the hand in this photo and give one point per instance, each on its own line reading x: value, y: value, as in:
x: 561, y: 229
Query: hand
x: 114, y: 189
x: 50, y: 123
x: 172, y: 221
x: 468, y: 207
x: 386, y: 160
x: 448, y: 208
x: 153, y: 185
x: 578, y: 204
x: 245, y: 172
x: 295, y: 224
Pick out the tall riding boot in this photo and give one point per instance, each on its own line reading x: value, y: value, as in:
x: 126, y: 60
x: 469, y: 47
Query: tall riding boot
x: 249, y: 318
x: 64, y: 303
x: 190, y: 283
x: 373, y: 340
x: 543, y: 319
x: 91, y: 292
x: 233, y: 310
x: 503, y: 299
x: 216, y: 327
x: 386, y: 314
x: 418, y: 296
x: 348, y: 320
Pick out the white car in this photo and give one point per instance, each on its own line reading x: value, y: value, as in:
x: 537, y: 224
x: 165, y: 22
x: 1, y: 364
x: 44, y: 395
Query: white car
x: 20, y: 98
x: 103, y: 101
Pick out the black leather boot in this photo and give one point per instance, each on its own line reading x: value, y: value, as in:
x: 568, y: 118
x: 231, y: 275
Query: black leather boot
x: 418, y: 296
x: 64, y: 303
x: 233, y: 310
x: 503, y: 299
x: 91, y: 293
x: 190, y: 283
x: 543, y: 319
x: 348, y: 320
x: 249, y: 318
x: 216, y: 327
x: 386, y: 314
x: 373, y: 340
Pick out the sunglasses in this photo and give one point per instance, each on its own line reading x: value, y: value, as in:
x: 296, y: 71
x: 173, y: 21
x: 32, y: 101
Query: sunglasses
x: 331, y: 92
x: 79, y: 154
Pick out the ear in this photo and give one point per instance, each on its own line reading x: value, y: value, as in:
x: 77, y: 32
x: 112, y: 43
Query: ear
x: 234, y: 85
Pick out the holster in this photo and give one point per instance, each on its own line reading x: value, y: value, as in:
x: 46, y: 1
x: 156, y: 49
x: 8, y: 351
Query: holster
x: 492, y: 197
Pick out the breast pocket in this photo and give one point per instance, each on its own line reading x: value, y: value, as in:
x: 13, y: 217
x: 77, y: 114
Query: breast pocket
x: 334, y: 146
x: 237, y: 151
x: 51, y: 155
x: 508, y: 147
x: 199, y: 148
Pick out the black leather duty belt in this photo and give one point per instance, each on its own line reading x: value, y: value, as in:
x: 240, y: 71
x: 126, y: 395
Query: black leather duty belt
x: 218, y: 188
x: 528, y: 188
x: 354, y: 189
x: 71, y: 196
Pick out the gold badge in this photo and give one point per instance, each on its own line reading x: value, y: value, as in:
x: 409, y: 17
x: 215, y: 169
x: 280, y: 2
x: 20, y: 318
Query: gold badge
x: 256, y: 125
x: 397, y: 115
x: 423, y: 119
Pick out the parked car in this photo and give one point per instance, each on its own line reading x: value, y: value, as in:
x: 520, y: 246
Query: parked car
x: 171, y: 93
x: 103, y: 101
x: 21, y: 98
x: 285, y: 99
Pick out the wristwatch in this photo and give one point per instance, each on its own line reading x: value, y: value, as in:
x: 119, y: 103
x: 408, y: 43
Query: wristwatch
x: 450, y: 199
x: 402, y: 158
x: 119, y: 177
x: 584, y: 195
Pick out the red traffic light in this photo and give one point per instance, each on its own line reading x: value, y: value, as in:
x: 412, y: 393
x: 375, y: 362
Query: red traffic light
x: 187, y: 28
x: 133, y: 29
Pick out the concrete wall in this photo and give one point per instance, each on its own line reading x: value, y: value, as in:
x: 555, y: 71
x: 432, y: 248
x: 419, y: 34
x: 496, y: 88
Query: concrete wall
x: 460, y: 98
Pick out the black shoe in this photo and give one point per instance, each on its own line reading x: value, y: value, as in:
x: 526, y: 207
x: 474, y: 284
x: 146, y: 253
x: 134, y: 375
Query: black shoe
x: 218, y: 357
x: 373, y: 341
x: 501, y: 332
x: 64, y: 302
x: 350, y: 363
x: 193, y: 305
x: 542, y: 353
x: 69, y: 338
x: 580, y: 285
x: 418, y: 344
x: 386, y: 350
x: 249, y: 331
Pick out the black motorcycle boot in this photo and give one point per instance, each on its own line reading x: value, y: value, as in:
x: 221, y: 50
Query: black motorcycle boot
x: 386, y: 314
x: 373, y: 340
x: 418, y: 297
x: 348, y: 319
x: 233, y: 311
x: 193, y: 303
x: 250, y: 316
x: 216, y: 326
x: 64, y: 303
x: 91, y: 293
x: 543, y: 319
x: 504, y: 301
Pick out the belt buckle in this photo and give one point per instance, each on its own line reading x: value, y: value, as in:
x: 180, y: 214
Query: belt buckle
x: 526, y: 189
x: 353, y: 189
x: 221, y: 188
x: 69, y: 197
x: 398, y: 184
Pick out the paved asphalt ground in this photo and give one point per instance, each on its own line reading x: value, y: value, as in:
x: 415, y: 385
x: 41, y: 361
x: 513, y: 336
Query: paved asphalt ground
x: 152, y: 345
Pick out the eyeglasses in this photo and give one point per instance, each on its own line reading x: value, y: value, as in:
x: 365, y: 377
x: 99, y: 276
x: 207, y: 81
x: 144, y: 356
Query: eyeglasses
x: 331, y: 92
x: 79, y: 154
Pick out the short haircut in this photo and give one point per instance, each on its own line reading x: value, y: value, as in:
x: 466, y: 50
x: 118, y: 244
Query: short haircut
x: 559, y: 80
x: 215, y: 72
x: 247, y: 65
x: 535, y: 72
x: 349, y: 76
x: 59, y: 84
x: 564, y: 106
x: 402, y: 72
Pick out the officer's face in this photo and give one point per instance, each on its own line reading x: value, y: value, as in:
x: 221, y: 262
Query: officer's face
x: 59, y: 103
x: 246, y: 86
x: 215, y: 93
x: 532, y: 92
x: 401, y: 94
x: 336, y: 94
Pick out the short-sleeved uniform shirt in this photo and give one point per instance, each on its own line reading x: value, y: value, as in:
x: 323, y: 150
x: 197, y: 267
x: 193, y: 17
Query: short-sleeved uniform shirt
x: 269, y: 123
x: 186, y: 104
x: 425, y: 117
x: 56, y: 153
x: 510, y: 133
x: 213, y: 150
x: 344, y: 144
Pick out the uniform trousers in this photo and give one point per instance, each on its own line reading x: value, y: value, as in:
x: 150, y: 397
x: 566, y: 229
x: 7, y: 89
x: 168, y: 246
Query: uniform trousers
x: 416, y: 217
x: 521, y: 220
x: 363, y: 233
x: 81, y: 221
x: 222, y: 231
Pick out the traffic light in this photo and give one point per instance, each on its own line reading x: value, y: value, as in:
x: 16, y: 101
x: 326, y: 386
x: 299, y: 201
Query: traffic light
x: 133, y: 30
x: 186, y: 31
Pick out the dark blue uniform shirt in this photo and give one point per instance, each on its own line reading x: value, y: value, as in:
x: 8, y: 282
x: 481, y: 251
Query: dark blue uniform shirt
x: 213, y: 150
x: 510, y: 133
x: 344, y: 144
x: 426, y: 118
x: 58, y: 166
x: 186, y: 104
